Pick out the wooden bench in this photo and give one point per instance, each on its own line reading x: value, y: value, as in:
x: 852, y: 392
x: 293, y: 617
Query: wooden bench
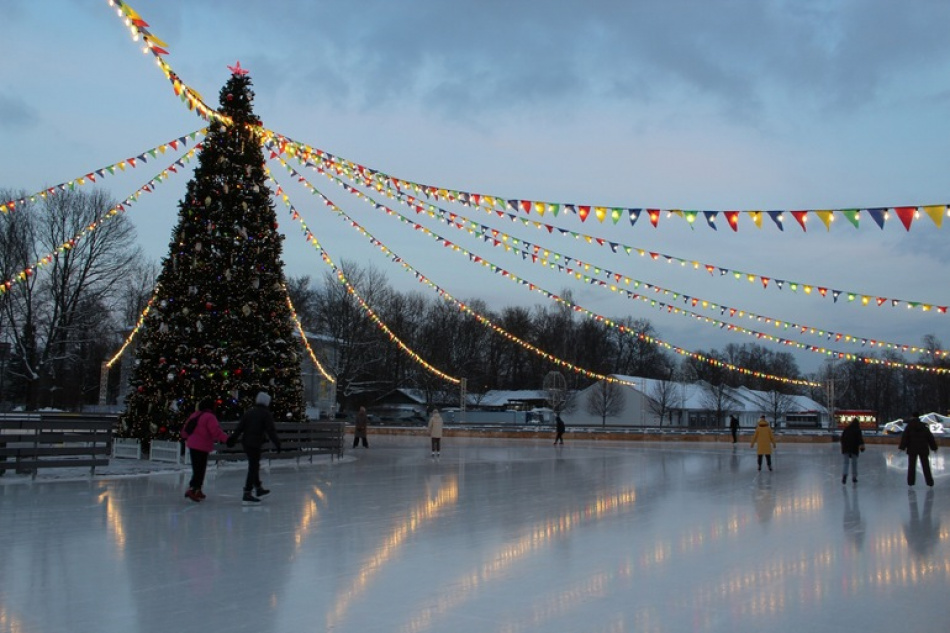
x: 29, y: 442
x: 297, y: 440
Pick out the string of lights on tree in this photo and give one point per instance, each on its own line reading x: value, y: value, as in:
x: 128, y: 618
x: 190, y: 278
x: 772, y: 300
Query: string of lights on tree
x: 537, y: 288
x: 613, y: 281
x: 303, y: 336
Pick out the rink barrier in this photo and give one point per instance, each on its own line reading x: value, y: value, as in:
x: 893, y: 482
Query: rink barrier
x: 29, y: 442
x: 298, y: 440
x: 632, y: 434
x: 126, y: 448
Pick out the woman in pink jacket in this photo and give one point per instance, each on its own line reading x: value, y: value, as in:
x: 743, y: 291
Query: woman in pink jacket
x: 201, y: 432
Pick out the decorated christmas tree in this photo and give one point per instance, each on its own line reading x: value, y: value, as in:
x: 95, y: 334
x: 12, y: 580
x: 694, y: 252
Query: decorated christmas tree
x: 220, y: 325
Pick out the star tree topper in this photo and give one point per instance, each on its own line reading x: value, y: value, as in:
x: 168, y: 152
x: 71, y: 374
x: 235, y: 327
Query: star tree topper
x: 237, y: 70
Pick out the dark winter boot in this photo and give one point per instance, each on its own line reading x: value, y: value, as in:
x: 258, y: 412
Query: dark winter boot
x: 249, y: 498
x: 262, y: 491
x: 190, y: 494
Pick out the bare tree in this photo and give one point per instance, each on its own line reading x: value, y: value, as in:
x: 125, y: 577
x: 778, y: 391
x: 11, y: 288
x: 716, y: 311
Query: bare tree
x: 665, y: 397
x: 719, y: 399
x: 47, y: 313
x: 341, y: 316
x: 778, y: 404
x: 606, y: 398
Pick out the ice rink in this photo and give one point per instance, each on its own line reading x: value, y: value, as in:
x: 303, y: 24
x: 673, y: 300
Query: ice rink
x: 493, y: 536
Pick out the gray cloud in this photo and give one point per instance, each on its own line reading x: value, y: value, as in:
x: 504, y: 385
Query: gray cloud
x: 16, y: 114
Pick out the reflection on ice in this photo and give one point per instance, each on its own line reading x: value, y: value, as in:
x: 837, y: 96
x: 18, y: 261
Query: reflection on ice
x: 505, y: 536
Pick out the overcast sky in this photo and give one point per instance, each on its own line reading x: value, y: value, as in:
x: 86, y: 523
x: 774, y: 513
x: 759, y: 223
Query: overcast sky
x: 678, y: 105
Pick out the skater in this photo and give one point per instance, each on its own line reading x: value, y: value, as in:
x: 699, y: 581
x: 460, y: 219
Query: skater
x: 435, y: 432
x: 201, y: 431
x: 765, y: 439
x: 852, y: 443
x: 559, y: 428
x: 362, y: 422
x: 256, y: 425
x: 918, y: 441
x: 734, y: 428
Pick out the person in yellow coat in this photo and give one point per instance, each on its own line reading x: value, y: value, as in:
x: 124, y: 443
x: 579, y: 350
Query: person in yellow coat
x: 765, y: 440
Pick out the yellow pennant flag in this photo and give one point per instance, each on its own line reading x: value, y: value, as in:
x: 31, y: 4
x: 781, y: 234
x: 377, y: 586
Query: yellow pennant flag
x: 826, y: 218
x: 936, y: 213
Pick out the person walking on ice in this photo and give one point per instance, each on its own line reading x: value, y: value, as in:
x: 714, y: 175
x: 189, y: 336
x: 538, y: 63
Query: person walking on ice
x: 360, y: 428
x: 435, y: 432
x: 918, y: 441
x: 255, y: 427
x: 852, y: 443
x: 201, y: 432
x: 765, y: 439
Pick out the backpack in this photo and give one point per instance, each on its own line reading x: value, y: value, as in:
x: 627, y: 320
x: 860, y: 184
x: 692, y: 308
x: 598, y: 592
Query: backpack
x: 192, y: 422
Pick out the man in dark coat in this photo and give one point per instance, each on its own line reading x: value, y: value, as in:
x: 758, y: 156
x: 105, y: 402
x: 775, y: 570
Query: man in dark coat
x: 256, y: 425
x: 852, y: 443
x: 918, y: 441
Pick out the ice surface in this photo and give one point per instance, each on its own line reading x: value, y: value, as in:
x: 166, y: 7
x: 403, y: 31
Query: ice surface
x: 496, y: 535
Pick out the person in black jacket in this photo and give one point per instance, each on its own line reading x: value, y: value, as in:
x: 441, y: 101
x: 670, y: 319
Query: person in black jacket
x: 559, y: 429
x: 918, y: 441
x: 255, y: 427
x: 852, y: 443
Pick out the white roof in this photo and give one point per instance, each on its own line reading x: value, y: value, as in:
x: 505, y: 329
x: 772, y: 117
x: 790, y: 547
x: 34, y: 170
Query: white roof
x: 694, y: 396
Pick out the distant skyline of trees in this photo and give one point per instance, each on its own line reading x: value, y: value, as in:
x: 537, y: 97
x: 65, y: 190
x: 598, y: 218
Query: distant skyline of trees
x: 59, y: 326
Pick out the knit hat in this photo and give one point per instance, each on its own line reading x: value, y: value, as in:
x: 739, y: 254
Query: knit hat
x: 263, y: 399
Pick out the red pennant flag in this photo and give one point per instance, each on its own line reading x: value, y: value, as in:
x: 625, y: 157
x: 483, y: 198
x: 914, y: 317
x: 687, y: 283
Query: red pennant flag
x: 765, y: 282
x: 732, y: 217
x: 654, y: 216
x: 800, y: 217
x: 526, y: 206
x: 906, y: 214
x: 583, y: 212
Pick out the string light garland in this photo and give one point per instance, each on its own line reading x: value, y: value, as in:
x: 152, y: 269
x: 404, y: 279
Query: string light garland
x: 906, y: 213
x: 420, y: 206
x: 295, y: 215
x: 135, y: 330
x: 306, y: 341
x: 579, y: 270
x: 838, y: 355
x: 121, y: 207
x: 499, y: 204
x: 10, y: 205
x: 311, y: 238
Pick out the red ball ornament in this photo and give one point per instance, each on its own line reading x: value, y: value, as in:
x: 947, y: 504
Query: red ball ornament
x: 209, y: 305
x: 230, y: 97
x: 237, y: 372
